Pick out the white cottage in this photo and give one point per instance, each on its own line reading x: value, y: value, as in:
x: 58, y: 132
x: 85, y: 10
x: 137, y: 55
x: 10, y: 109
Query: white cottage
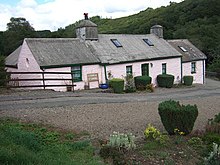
x: 104, y: 56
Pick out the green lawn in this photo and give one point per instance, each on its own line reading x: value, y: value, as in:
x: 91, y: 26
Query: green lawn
x: 25, y: 143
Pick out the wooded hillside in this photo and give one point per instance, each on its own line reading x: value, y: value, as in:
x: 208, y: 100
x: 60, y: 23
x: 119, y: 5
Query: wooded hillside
x: 198, y: 21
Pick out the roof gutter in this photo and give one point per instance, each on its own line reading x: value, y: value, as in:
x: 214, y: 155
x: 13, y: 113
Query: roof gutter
x: 66, y: 65
x: 142, y: 60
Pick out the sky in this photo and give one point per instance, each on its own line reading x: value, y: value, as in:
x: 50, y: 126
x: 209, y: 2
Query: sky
x: 54, y: 14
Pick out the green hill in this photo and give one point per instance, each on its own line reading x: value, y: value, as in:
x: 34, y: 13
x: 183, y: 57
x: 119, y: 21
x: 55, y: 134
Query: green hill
x: 198, y: 21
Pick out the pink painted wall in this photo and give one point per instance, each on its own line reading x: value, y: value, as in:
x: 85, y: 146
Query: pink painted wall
x: 87, y: 69
x: 155, y: 68
x: 198, y: 76
x: 26, y: 63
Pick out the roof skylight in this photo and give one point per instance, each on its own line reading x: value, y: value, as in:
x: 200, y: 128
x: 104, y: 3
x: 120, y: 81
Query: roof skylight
x: 147, y: 41
x: 183, y: 49
x: 116, y: 43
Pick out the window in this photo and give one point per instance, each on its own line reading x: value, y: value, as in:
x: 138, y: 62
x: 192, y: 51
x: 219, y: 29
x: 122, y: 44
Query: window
x: 129, y: 70
x: 145, y: 69
x: 76, y: 73
x: 193, y: 67
x: 147, y: 41
x: 27, y: 63
x: 164, y: 68
x: 183, y: 49
x: 116, y: 43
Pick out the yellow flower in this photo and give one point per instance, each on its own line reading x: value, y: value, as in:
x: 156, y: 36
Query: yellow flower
x: 181, y: 133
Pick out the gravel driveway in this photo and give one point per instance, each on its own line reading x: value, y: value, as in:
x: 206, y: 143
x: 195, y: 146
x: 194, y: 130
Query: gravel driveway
x: 101, y: 119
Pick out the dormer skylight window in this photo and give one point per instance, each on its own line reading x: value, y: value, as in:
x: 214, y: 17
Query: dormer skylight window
x: 147, y: 41
x: 182, y: 48
x: 116, y: 43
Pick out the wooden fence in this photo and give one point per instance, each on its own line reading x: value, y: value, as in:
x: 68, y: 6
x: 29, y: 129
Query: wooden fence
x: 14, y: 82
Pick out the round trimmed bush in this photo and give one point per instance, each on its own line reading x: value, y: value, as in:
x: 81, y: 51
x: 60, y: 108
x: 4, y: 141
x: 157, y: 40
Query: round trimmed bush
x: 117, y: 84
x: 165, y: 80
x: 176, y: 116
x: 141, y: 82
x: 188, y: 80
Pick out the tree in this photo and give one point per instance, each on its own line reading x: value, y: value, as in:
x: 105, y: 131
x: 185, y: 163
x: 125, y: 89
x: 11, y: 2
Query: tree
x: 17, y: 30
x: 2, y: 71
x: 19, y: 24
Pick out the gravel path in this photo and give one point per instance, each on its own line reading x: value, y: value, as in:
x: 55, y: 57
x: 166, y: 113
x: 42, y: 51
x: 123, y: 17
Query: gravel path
x: 102, y: 119
x: 123, y: 113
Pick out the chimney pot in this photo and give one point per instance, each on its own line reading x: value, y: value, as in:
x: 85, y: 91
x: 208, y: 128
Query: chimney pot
x: 86, y: 16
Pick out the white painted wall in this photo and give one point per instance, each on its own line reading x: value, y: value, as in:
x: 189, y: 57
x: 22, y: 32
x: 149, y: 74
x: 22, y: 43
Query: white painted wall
x: 198, y: 76
x: 155, y: 68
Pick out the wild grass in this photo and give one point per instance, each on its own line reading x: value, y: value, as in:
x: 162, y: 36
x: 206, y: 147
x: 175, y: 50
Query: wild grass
x: 33, y: 144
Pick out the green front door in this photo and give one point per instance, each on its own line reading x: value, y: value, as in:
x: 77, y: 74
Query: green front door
x: 145, y: 69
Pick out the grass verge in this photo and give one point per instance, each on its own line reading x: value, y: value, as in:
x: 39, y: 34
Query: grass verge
x: 25, y: 143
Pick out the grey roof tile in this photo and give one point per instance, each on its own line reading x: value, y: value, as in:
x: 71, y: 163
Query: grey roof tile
x: 133, y: 48
x: 60, y: 51
x: 12, y: 59
x: 192, y: 52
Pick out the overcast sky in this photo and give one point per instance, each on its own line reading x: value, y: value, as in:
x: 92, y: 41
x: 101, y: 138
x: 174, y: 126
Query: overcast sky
x: 53, y: 14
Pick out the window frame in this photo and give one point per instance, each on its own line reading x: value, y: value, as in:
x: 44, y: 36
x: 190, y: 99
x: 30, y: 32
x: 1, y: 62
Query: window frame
x: 143, y: 71
x: 193, y: 67
x: 76, y: 71
x: 148, y: 42
x: 116, y: 43
x: 164, y: 68
x: 129, y: 70
x: 183, y: 48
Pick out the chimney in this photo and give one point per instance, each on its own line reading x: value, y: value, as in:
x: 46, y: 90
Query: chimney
x: 157, y: 30
x: 87, y: 30
x: 86, y: 16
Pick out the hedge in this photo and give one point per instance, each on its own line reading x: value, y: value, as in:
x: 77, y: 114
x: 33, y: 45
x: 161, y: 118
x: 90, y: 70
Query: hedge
x: 165, y: 80
x: 188, y: 80
x: 117, y: 84
x: 141, y: 82
x: 176, y: 116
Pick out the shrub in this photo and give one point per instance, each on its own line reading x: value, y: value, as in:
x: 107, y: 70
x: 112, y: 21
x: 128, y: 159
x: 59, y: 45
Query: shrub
x: 150, y: 87
x: 217, y: 118
x: 117, y: 84
x: 188, y: 80
x: 211, y: 138
x: 129, y: 84
x: 3, y: 74
x: 151, y: 132
x: 165, y: 80
x: 141, y: 82
x: 213, y: 125
x: 176, y: 116
x: 121, y: 140
x: 214, y: 156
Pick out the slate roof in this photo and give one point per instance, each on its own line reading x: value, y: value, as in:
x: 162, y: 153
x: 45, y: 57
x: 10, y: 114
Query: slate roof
x: 191, y: 54
x: 12, y: 59
x: 70, y: 51
x: 59, y: 51
x: 86, y: 23
x: 133, y: 48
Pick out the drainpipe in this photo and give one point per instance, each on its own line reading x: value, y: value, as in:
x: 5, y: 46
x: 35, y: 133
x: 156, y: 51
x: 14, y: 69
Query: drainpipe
x: 181, y: 61
x: 203, y: 65
x: 105, y: 73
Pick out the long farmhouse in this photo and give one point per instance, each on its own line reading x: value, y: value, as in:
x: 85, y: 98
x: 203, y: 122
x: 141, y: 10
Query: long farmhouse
x: 106, y: 56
